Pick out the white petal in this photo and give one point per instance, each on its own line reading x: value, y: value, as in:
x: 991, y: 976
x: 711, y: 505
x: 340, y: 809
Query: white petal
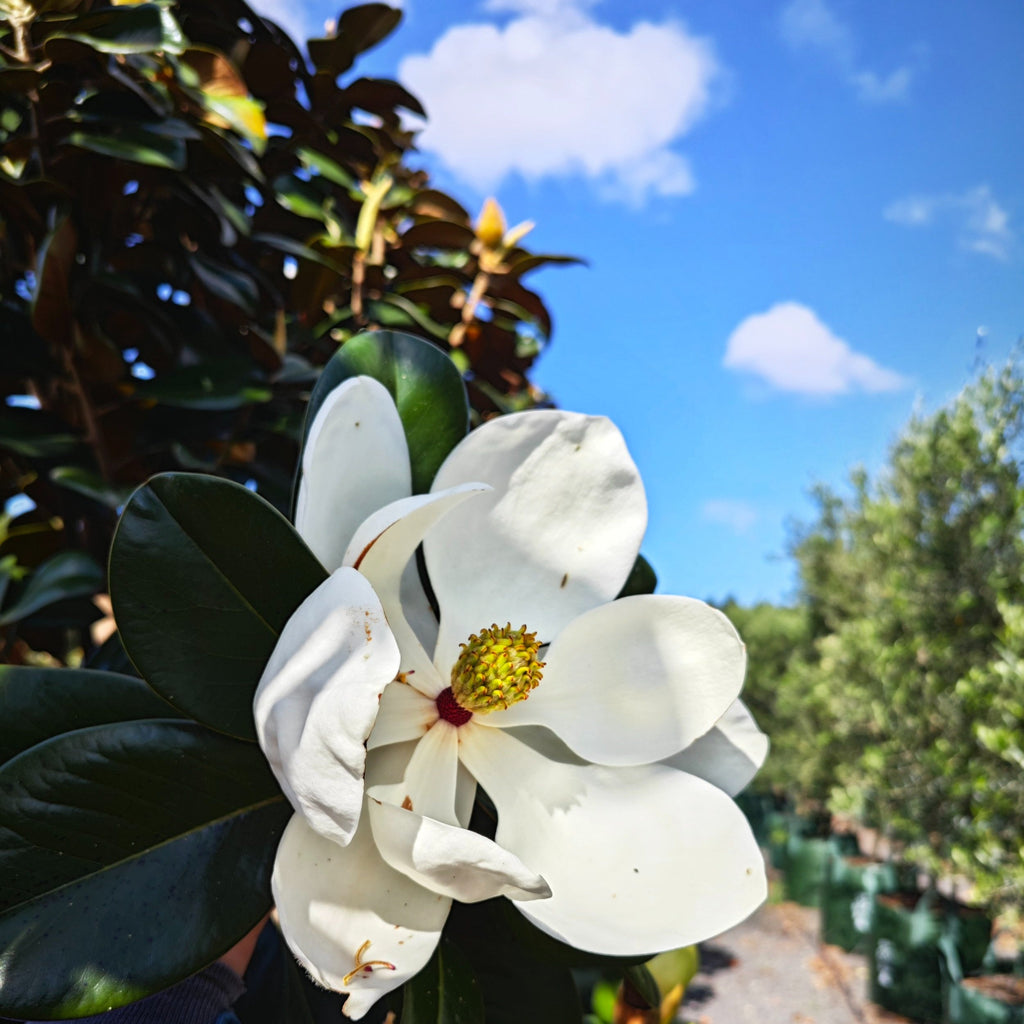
x: 729, y: 755
x: 416, y: 607
x: 317, y: 700
x: 635, y: 680
x: 416, y: 831
x: 387, y: 765
x: 428, y: 783
x: 381, y: 549
x: 465, y: 795
x: 356, y: 459
x: 405, y: 714
x: 558, y: 535
x: 638, y: 859
x: 333, y: 900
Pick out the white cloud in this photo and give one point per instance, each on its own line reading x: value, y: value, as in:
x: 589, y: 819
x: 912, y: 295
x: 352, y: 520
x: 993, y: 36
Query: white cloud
x: 552, y: 92
x: 813, y: 25
x: 913, y: 211
x: 983, y: 225
x: 739, y: 516
x: 791, y: 349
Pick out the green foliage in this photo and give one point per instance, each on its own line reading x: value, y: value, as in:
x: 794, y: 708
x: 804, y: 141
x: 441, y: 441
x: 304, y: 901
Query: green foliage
x: 901, y: 704
x: 772, y: 634
x: 37, y: 704
x: 444, y: 992
x: 194, y: 219
x: 425, y: 385
x: 204, y: 574
x: 138, y: 820
x: 173, y: 814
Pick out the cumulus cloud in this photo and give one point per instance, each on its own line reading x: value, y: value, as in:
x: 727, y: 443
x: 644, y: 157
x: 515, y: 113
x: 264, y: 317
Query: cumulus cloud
x: 791, y: 349
x: 982, y: 223
x: 738, y: 516
x: 553, y: 92
x: 813, y: 25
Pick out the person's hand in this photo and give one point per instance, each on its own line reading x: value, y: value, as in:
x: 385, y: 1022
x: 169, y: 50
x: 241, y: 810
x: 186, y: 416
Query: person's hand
x: 239, y: 955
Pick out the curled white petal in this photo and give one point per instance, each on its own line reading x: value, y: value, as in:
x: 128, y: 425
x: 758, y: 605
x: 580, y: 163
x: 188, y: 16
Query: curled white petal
x: 355, y: 460
x: 728, y: 755
x: 416, y: 829
x: 635, y: 680
x: 381, y: 550
x: 557, y: 536
x: 356, y: 925
x: 638, y: 859
x: 318, y: 699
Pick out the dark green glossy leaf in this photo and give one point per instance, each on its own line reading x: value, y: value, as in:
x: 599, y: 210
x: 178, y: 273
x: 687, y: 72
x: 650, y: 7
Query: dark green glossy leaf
x: 327, y: 167
x: 9, y: 572
x: 642, y: 579
x: 643, y: 982
x: 426, y: 386
x: 39, y: 703
x: 382, y: 96
x: 367, y: 25
x: 411, y: 312
x: 293, y: 248
x: 90, y: 485
x: 359, y: 28
x: 516, y: 986
x: 68, y: 574
x: 128, y: 108
x: 136, y: 28
x: 131, y: 855
x: 226, y: 283
x: 35, y: 434
x: 523, y: 264
x: 215, y: 385
x: 433, y: 203
x: 203, y: 576
x: 444, y: 992
x: 135, y: 144
x: 438, y: 234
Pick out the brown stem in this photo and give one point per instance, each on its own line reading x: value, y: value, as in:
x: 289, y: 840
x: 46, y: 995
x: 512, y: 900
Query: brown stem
x: 476, y: 294
x: 21, y: 47
x: 358, y: 279
x: 93, y: 433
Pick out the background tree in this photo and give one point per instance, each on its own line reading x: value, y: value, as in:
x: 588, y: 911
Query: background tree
x: 904, y: 709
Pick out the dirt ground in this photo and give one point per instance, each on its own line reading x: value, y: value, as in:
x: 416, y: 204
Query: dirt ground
x: 772, y: 970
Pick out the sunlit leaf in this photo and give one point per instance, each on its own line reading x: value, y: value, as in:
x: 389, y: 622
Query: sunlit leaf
x: 426, y: 386
x: 131, y: 855
x: 203, y: 576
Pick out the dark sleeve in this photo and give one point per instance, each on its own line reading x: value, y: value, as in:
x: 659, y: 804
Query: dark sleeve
x: 201, y: 999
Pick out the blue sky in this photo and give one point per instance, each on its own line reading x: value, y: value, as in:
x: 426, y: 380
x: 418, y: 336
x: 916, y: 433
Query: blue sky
x: 800, y: 217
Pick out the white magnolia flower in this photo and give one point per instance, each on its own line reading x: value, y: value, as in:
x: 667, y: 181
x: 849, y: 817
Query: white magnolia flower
x: 380, y: 721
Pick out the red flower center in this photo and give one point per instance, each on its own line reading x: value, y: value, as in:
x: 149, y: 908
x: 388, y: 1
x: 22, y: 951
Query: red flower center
x: 450, y: 709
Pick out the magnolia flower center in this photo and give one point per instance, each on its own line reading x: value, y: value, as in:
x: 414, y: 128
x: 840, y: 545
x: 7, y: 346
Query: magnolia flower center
x: 496, y: 668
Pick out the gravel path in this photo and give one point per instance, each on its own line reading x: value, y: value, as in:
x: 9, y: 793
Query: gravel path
x: 772, y: 970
